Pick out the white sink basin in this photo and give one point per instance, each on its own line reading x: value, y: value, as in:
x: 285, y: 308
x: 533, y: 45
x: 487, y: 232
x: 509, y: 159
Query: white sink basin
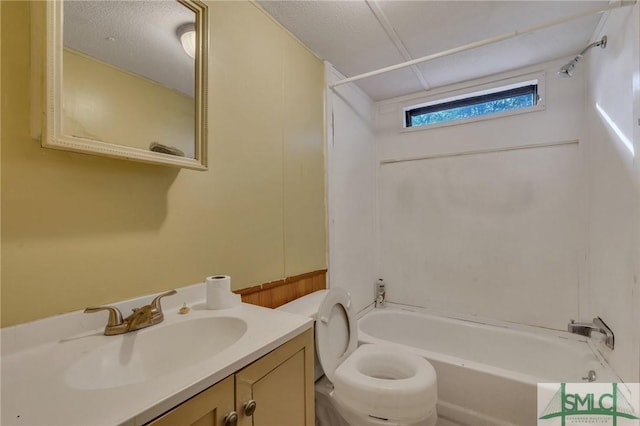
x: 149, y: 353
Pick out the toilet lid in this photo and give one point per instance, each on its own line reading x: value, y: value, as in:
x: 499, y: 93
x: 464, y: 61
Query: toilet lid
x: 336, y: 332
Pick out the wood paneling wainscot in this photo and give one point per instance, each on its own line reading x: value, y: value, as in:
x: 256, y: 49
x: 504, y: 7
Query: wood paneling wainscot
x: 277, y: 293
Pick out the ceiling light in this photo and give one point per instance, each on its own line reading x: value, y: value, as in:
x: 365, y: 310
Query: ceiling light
x: 187, y: 35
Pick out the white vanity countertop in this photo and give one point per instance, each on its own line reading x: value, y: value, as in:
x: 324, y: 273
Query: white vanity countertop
x: 35, y: 389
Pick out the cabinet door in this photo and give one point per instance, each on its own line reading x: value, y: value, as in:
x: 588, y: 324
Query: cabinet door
x: 208, y: 408
x: 281, y: 384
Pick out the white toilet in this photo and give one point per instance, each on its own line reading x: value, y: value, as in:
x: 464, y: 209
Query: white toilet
x: 367, y: 385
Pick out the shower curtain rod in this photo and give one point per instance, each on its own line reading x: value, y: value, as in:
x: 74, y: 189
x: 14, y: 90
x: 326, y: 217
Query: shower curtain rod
x: 484, y: 42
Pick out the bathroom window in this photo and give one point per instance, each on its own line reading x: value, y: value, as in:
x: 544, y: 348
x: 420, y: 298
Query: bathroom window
x: 472, y: 105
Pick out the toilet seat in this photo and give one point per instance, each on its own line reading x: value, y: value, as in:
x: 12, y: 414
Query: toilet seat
x: 385, y: 382
x: 372, y: 381
x: 336, y: 331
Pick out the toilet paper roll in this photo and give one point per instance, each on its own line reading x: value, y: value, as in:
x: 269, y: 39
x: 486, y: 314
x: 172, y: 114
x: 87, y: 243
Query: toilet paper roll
x: 219, y: 295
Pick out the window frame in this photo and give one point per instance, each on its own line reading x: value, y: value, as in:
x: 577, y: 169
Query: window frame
x: 458, y: 97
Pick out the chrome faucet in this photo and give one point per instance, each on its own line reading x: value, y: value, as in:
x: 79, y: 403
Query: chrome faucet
x: 585, y: 329
x: 381, y: 294
x: 142, y: 317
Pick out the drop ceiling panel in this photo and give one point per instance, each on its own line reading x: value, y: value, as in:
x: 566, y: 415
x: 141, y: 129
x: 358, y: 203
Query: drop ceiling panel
x: 510, y: 54
x: 388, y: 85
x: 347, y: 34
x: 497, y: 18
x: 432, y: 26
x: 344, y: 32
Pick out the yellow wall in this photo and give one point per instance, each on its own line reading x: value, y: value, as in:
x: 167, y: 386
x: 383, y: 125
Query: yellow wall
x: 124, y: 108
x: 82, y: 230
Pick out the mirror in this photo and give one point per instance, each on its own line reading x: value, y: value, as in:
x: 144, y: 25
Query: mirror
x: 121, y: 83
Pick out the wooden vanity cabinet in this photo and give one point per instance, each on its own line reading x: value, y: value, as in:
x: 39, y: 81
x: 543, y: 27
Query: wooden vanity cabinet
x: 208, y: 408
x: 279, y: 385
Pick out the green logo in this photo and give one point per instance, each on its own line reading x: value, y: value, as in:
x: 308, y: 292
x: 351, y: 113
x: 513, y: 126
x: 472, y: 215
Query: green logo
x: 588, y: 405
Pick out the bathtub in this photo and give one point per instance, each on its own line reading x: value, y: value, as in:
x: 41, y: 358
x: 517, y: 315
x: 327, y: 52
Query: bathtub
x: 487, y: 372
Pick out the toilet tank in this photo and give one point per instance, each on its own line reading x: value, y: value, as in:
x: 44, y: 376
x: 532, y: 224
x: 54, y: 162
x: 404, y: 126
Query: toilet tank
x: 307, y: 306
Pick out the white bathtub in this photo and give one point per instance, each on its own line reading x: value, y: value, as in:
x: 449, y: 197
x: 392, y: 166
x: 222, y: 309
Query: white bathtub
x: 487, y: 374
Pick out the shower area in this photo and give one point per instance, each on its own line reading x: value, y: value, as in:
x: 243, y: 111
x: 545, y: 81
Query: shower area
x: 528, y: 219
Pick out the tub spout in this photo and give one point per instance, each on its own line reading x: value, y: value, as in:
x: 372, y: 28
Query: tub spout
x: 585, y: 329
x: 591, y: 376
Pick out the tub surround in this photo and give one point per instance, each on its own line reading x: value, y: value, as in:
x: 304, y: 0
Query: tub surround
x: 36, y: 357
x: 613, y: 186
x: 541, y: 230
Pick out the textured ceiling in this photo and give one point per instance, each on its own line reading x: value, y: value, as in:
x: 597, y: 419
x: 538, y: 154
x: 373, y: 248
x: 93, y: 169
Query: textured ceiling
x: 360, y: 36
x: 139, y: 36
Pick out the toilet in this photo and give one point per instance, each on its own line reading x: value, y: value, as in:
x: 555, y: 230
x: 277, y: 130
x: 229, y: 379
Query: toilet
x: 369, y: 385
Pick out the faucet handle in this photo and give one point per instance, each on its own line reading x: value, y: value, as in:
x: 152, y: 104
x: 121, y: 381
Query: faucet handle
x: 155, y: 303
x: 115, y: 317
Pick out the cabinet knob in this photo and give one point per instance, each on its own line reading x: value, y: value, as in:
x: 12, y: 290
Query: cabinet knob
x: 231, y: 419
x: 249, y: 408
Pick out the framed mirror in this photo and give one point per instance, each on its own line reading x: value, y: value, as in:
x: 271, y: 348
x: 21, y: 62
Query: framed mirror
x: 128, y: 79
